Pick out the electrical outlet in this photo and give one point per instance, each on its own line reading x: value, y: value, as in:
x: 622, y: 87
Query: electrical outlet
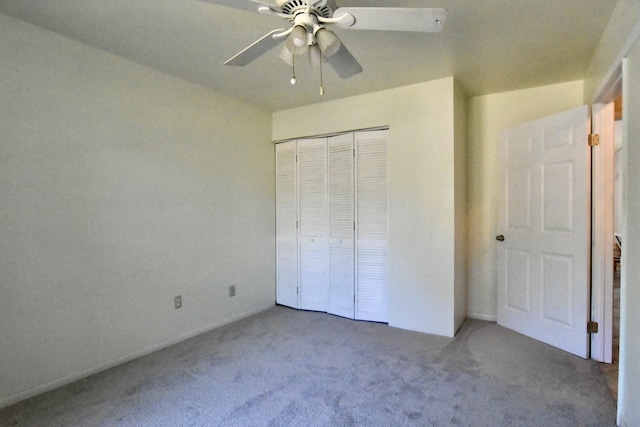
x: 177, y: 302
x: 232, y: 290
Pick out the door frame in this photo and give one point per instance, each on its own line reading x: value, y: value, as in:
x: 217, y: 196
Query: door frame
x: 602, y: 119
x: 601, y: 259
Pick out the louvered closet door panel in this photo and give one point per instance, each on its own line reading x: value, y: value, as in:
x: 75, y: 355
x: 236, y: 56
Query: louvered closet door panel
x: 313, y: 217
x: 341, y: 220
x: 286, y: 230
x: 371, y: 226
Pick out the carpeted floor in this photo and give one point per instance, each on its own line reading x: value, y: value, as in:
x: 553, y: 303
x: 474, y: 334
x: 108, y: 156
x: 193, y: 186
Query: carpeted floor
x: 285, y: 367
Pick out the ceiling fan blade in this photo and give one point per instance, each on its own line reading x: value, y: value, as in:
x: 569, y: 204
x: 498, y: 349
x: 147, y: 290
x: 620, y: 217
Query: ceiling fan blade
x: 426, y: 20
x: 252, y: 5
x: 344, y: 63
x: 257, y: 49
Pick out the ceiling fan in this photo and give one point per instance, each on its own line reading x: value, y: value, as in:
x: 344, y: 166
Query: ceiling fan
x: 308, y: 33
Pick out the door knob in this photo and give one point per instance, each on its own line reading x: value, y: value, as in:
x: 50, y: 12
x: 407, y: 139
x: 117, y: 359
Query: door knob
x: 500, y: 238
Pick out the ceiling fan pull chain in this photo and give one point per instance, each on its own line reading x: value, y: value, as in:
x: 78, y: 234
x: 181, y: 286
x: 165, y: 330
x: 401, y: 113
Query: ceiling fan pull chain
x: 321, y: 81
x: 293, y: 66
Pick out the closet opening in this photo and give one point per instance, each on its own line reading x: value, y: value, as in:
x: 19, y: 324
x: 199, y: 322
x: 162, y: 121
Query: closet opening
x: 332, y: 224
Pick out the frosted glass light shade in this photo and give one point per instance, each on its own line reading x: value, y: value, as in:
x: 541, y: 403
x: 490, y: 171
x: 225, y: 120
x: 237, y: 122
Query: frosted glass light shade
x: 327, y: 41
x: 298, y: 36
x: 297, y: 41
x: 286, y: 55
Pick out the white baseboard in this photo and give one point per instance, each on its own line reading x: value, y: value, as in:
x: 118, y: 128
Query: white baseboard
x: 59, y: 382
x: 487, y: 317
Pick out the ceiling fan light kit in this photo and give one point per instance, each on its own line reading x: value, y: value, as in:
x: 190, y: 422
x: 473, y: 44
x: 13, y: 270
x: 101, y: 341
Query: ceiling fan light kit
x: 308, y: 33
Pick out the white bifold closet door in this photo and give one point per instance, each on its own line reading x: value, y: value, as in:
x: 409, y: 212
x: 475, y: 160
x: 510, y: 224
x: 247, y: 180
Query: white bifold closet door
x: 286, y: 224
x: 372, y: 277
x: 313, y: 224
x: 341, y: 225
x: 332, y: 224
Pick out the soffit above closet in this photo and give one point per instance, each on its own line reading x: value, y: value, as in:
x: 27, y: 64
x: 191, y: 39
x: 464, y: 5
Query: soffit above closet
x: 490, y: 46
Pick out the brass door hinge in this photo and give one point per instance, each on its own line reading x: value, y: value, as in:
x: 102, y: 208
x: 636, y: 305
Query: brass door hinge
x: 594, y: 140
x: 592, y: 327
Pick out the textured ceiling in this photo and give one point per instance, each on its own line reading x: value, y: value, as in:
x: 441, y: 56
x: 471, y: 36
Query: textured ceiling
x: 489, y: 45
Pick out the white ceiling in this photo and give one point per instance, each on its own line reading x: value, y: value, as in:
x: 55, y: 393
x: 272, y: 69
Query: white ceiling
x: 489, y: 45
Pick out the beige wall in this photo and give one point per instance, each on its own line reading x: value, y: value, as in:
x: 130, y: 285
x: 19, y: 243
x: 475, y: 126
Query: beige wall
x: 621, y: 31
x: 121, y: 188
x: 488, y: 116
x: 461, y: 232
x: 421, y: 188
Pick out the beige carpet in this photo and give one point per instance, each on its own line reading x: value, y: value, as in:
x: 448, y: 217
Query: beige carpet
x: 285, y: 367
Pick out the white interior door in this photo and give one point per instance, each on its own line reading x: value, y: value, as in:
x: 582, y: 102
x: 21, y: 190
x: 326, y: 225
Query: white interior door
x: 286, y: 225
x: 341, y: 225
x: 313, y: 226
x: 543, y: 262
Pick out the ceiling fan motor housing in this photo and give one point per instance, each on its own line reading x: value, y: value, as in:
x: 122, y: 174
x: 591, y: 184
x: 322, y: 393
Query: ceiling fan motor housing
x: 321, y: 8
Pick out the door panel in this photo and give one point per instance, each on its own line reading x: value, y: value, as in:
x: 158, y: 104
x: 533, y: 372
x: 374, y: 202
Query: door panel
x: 543, y: 263
x: 518, y: 264
x: 519, y: 195
x: 286, y: 228
x: 557, y: 197
x: 313, y: 238
x: 314, y: 292
x: 372, y: 292
x: 372, y: 256
x: 557, y: 277
x: 341, y: 229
